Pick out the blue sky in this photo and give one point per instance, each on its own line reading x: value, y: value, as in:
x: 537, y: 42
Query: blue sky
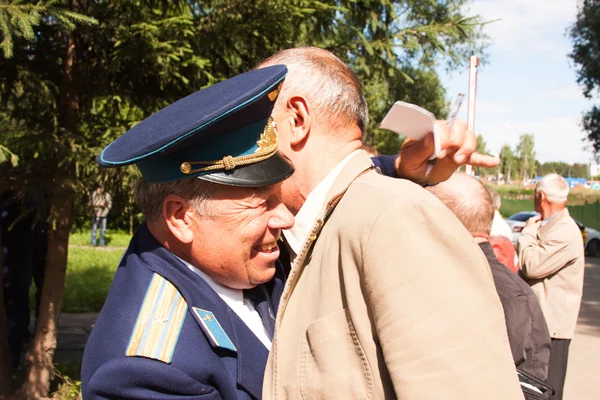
x: 528, y: 84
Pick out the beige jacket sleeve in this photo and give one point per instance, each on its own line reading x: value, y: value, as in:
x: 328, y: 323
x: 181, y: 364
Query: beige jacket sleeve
x: 539, y: 260
x: 449, y: 339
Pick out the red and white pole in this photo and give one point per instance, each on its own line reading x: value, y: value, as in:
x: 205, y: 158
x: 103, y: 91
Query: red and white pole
x: 473, y: 63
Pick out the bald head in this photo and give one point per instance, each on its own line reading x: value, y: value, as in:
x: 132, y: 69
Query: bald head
x: 331, y: 87
x: 469, y: 200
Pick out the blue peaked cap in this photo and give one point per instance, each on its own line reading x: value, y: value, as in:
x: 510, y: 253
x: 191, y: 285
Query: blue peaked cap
x: 223, y: 134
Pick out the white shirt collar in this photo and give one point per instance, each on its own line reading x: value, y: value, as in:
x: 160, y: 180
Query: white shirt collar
x: 228, y: 294
x: 234, y: 298
x: 311, y: 208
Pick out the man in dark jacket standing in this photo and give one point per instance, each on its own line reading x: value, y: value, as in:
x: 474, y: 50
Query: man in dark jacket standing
x: 528, y: 333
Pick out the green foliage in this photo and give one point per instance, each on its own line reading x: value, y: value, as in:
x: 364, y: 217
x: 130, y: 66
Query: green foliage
x: 89, y: 276
x: 564, y: 169
x: 8, y: 156
x: 585, y: 35
x: 591, y: 124
x: 481, y: 146
x: 507, y: 162
x: 525, y: 153
x: 69, y: 388
x: 394, y: 46
x: 19, y: 19
x: 142, y: 56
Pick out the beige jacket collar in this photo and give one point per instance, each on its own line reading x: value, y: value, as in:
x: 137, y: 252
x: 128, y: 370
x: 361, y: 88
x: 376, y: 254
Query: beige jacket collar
x: 356, y: 165
x: 553, y: 220
x: 311, y: 209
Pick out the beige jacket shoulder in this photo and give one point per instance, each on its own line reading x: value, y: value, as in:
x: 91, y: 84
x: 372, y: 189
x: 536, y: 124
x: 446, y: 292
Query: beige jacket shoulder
x: 553, y: 263
x: 393, y: 301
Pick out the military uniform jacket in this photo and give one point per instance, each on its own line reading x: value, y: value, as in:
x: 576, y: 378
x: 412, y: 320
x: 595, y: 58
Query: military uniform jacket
x: 389, y: 298
x: 163, y: 333
x: 553, y: 263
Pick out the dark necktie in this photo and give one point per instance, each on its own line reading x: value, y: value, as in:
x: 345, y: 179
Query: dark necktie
x: 262, y: 304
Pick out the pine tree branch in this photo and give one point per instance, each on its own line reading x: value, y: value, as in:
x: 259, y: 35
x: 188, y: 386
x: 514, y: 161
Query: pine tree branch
x: 20, y: 20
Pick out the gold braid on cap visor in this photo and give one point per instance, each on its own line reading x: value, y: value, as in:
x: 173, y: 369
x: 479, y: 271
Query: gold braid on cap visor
x: 267, y: 147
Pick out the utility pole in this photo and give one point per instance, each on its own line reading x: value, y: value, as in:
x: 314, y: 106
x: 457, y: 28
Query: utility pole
x: 473, y: 63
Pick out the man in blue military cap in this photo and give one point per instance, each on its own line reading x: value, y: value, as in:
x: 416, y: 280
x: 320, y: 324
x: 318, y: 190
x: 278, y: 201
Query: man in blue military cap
x: 189, y: 313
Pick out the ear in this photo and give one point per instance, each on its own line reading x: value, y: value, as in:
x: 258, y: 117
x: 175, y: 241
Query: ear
x: 301, y: 119
x: 176, y: 213
x: 540, y: 195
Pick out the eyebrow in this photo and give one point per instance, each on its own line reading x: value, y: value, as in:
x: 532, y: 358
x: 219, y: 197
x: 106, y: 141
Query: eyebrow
x: 265, y: 191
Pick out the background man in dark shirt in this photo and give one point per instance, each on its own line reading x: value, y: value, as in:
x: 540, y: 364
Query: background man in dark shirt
x: 528, y: 334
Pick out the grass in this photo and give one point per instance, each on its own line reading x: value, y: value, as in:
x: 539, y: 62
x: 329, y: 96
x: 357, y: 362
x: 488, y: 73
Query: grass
x: 113, y: 238
x: 89, y: 274
x: 90, y: 270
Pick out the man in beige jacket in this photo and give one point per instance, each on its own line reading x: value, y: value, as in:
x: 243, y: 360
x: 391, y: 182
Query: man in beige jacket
x: 552, y: 261
x: 388, y: 296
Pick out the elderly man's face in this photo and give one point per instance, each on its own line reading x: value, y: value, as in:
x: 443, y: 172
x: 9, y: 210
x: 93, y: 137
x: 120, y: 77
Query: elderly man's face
x: 238, y: 246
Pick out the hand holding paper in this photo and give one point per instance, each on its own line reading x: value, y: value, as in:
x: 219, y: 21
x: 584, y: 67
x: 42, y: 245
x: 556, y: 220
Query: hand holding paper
x: 452, y: 143
x: 416, y: 122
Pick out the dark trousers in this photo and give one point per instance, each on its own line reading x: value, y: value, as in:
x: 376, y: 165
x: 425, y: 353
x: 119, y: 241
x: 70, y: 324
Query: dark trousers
x: 557, y: 367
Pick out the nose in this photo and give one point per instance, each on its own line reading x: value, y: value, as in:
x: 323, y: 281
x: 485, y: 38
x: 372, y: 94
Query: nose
x: 281, y: 218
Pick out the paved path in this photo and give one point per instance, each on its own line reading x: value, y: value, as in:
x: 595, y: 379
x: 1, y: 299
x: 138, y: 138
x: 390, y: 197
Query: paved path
x: 583, y: 375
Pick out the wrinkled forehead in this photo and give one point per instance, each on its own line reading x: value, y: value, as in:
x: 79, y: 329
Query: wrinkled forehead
x: 224, y: 192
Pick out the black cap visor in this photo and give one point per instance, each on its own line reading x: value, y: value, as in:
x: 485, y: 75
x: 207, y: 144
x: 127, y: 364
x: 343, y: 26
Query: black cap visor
x: 268, y: 172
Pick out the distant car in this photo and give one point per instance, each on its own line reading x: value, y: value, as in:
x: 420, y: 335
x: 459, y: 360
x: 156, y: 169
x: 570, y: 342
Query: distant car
x: 591, y: 237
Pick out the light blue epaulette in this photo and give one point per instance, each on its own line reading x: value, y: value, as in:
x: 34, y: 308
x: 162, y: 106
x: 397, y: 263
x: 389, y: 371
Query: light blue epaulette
x: 159, y: 322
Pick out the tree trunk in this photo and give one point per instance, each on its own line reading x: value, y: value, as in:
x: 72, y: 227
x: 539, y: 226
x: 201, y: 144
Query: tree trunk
x: 40, y: 355
x: 5, y: 367
x: 130, y: 221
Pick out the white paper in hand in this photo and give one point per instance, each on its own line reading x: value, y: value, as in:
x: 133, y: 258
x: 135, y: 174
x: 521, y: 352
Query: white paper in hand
x: 411, y: 121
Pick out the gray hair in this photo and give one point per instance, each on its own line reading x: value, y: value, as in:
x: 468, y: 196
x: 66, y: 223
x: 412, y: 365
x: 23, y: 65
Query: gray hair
x: 555, y: 187
x: 150, y: 196
x: 326, y: 81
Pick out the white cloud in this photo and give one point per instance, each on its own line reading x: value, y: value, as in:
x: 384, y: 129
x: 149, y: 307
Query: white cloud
x: 556, y: 138
x: 571, y: 92
x: 527, y: 26
x: 491, y: 107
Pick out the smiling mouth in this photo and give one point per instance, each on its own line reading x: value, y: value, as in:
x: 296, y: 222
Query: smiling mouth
x: 268, y: 247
